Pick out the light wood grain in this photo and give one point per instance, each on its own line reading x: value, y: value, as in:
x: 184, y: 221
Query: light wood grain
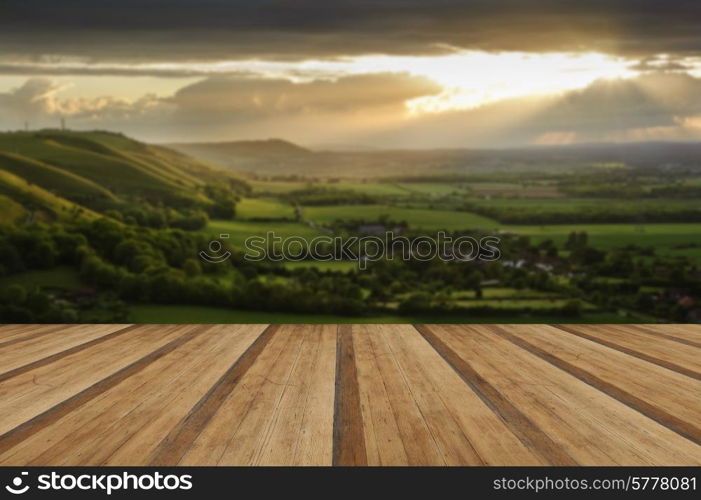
x: 350, y: 395
x: 655, y: 349
x: 593, y: 427
x: 663, y: 395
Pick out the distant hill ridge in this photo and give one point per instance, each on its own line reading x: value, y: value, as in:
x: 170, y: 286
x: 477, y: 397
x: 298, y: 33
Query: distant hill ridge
x: 256, y: 147
x: 278, y: 157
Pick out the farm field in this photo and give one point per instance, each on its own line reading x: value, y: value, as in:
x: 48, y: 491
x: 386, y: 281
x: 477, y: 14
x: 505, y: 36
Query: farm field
x: 276, y: 187
x: 576, y: 205
x: 239, y: 231
x: 418, y: 218
x: 663, y: 237
x: 263, y: 208
x: 434, y: 189
x: 667, y: 238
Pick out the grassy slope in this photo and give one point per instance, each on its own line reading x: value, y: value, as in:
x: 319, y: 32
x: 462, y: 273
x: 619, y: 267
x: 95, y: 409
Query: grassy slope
x: 52, y: 178
x: 89, y: 166
x: 29, y: 194
x: 110, y: 160
x: 10, y: 210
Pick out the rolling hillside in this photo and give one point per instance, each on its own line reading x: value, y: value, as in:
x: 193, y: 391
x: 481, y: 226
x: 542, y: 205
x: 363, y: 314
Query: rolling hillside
x: 65, y: 172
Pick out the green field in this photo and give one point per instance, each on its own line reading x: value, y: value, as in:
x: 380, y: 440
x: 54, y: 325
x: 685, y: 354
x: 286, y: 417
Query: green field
x: 263, y: 208
x: 370, y: 188
x: 198, y: 314
x: 661, y: 236
x: 432, y: 188
x: 58, y: 277
x: 577, y: 205
x: 417, y: 218
x: 276, y: 187
x: 238, y: 231
x: 664, y: 237
x: 406, y: 189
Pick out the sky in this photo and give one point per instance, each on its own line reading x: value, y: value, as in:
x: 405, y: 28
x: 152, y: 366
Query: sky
x: 337, y: 74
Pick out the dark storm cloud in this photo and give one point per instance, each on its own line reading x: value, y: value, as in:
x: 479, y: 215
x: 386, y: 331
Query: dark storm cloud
x: 216, y: 29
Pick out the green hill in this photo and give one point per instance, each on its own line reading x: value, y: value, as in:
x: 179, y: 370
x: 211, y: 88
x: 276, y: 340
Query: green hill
x: 62, y: 171
x: 32, y: 197
x: 52, y: 178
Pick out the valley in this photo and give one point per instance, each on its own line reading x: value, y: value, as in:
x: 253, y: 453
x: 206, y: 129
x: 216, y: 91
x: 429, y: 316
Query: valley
x: 99, y: 227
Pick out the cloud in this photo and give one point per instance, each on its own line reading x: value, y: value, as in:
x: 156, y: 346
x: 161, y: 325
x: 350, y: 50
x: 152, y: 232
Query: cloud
x: 654, y: 106
x: 38, y: 101
x: 36, y: 97
x: 225, y: 107
x: 369, y: 109
x: 132, y: 30
x: 255, y: 97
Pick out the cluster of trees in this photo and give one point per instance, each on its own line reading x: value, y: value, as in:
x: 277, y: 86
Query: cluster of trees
x: 139, y: 264
x: 134, y: 264
x: 35, y: 306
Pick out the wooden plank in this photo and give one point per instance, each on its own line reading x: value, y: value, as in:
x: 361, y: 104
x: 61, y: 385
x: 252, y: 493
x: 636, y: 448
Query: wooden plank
x: 177, y: 443
x: 664, y: 395
x: 124, y: 425
x: 34, y: 392
x: 686, y: 334
x: 252, y: 428
x: 247, y: 426
x: 348, y: 439
x: 465, y: 430
x: 592, y: 427
x: 519, y: 423
x: 35, y: 353
x: 9, y: 331
x: 382, y: 433
x: 315, y: 443
x: 236, y: 431
x: 71, y: 397
x: 655, y: 349
x: 301, y: 430
x: 12, y: 334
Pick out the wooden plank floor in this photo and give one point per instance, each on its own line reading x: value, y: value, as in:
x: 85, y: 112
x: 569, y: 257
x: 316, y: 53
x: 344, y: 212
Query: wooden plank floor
x: 350, y: 395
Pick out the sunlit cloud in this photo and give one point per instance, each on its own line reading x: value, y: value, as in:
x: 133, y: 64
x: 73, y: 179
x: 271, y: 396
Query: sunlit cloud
x: 468, y: 78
